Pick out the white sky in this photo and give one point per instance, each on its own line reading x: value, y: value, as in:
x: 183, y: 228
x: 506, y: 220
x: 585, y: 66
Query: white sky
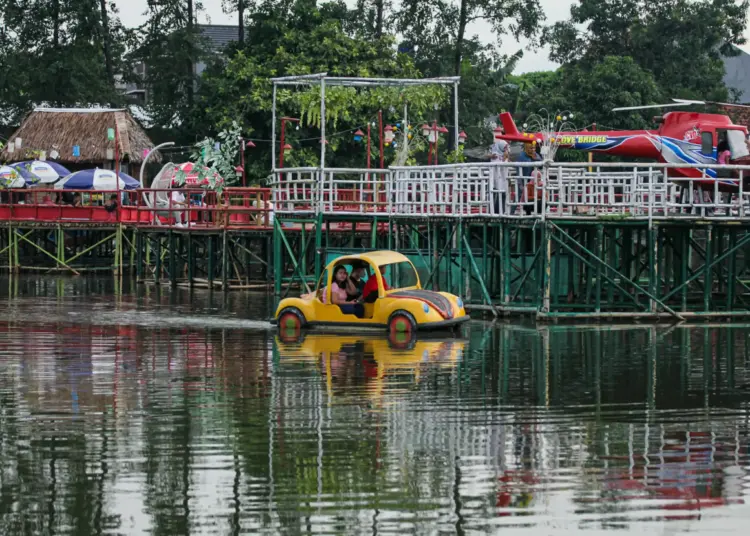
x: 132, y: 14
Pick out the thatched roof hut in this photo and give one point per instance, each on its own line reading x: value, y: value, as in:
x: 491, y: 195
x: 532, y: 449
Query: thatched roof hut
x: 59, y: 130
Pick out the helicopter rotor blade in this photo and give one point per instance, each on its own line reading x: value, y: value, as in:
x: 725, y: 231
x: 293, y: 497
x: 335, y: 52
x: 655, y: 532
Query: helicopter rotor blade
x: 729, y: 104
x: 651, y: 106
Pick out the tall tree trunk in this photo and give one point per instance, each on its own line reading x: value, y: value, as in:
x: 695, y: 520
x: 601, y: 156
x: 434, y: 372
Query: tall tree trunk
x: 462, y: 17
x: 190, y: 67
x: 56, y: 24
x: 379, y: 21
x: 241, y: 21
x: 105, y: 44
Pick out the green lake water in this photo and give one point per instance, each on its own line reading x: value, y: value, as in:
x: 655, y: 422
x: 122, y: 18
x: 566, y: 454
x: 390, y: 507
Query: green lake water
x: 141, y: 410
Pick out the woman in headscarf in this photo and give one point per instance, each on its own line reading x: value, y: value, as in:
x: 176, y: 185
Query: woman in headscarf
x: 500, y: 152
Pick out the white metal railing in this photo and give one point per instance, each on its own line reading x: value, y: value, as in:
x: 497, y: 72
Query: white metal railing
x: 519, y: 190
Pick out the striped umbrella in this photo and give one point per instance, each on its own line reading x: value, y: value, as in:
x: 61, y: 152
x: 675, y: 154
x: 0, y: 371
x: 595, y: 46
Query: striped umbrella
x: 48, y: 172
x: 12, y: 178
x: 96, y: 179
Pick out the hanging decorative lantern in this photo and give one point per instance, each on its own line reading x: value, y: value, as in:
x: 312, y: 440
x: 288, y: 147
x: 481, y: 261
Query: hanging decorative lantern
x: 250, y: 144
x: 287, y: 148
x: 442, y: 130
x: 425, y: 130
x: 110, y: 153
x: 432, y: 138
x: 238, y: 170
x: 462, y: 137
x: 18, y: 143
x: 358, y: 135
x: 388, y: 135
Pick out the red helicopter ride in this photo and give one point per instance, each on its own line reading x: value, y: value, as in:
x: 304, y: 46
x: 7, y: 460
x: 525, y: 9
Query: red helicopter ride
x: 681, y: 138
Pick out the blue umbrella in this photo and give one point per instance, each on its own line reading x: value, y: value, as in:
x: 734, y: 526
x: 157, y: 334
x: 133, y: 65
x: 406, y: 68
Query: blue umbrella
x: 48, y: 172
x: 96, y: 179
x: 30, y: 178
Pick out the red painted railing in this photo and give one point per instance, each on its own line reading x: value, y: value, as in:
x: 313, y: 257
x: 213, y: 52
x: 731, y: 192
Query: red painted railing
x: 233, y: 208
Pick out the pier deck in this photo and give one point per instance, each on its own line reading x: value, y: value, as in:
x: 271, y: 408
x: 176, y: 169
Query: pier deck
x: 590, y: 242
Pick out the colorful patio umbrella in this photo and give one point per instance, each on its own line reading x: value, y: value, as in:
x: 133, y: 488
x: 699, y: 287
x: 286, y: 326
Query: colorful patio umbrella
x: 193, y: 174
x: 96, y: 179
x: 12, y: 178
x: 48, y: 172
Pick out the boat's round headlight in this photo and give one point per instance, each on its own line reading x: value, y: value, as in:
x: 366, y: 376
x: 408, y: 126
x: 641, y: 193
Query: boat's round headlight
x: 426, y: 308
x: 460, y: 303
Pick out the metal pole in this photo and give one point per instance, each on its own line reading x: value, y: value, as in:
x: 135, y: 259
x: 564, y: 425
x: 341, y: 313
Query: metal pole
x: 152, y: 151
x: 281, y: 148
x: 242, y: 159
x: 273, y: 129
x: 322, y: 123
x: 117, y: 168
x: 455, y: 115
x: 380, y: 133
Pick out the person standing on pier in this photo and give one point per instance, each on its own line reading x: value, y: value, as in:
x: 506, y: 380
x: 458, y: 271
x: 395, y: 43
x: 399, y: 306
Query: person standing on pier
x: 178, y: 201
x: 500, y: 152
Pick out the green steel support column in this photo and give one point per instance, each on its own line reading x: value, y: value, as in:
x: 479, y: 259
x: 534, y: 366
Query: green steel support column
x: 390, y: 233
x: 600, y: 252
x: 269, y: 256
x: 224, y: 261
x: 373, y: 235
x: 458, y: 292
x: 485, y: 268
x: 139, y: 254
x: 319, y: 255
x: 157, y: 271
x: 506, y: 262
x: 732, y: 270
x: 172, y: 258
x: 547, y: 268
x: 684, y: 264
x: 210, y: 277
x: 131, y: 262
x: 614, y: 260
x: 653, y: 265
x: 556, y: 260
x: 148, y: 249
x: 718, y: 246
x: 627, y: 256
x: 190, y: 260
x: 707, y: 281
x: 485, y: 293
x: 591, y: 246
x: 60, y: 243
x: 277, y: 266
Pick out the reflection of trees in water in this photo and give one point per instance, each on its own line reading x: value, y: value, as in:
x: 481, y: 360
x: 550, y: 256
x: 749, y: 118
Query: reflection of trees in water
x: 187, y: 414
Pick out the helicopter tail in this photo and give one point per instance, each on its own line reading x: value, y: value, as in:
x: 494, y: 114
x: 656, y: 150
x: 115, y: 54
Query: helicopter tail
x: 509, y: 126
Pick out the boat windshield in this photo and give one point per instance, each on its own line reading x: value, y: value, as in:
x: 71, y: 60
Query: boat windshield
x: 400, y: 275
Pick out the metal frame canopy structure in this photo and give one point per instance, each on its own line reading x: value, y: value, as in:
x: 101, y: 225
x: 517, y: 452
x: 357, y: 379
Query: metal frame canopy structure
x: 323, y: 79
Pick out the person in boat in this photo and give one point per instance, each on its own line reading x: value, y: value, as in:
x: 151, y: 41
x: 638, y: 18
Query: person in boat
x: 77, y: 200
x: 355, y: 285
x: 370, y: 291
x: 339, y: 296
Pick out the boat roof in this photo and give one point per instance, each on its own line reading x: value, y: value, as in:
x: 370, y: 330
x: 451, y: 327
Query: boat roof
x: 378, y: 258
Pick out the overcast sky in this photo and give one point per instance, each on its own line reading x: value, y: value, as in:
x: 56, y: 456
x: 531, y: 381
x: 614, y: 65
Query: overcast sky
x: 132, y: 14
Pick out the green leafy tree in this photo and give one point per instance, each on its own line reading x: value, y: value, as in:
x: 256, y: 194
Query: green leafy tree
x: 170, y: 47
x: 302, y: 38
x: 61, y: 52
x: 680, y: 42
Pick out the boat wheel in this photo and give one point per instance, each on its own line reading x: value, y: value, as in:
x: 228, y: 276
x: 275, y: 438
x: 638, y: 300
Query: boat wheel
x: 290, y: 324
x: 402, y: 322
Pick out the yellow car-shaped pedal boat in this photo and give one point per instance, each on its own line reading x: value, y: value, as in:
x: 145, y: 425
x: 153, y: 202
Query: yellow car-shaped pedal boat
x: 394, y: 300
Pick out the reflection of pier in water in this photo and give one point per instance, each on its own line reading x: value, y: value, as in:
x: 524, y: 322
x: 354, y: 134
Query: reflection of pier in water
x: 519, y: 421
